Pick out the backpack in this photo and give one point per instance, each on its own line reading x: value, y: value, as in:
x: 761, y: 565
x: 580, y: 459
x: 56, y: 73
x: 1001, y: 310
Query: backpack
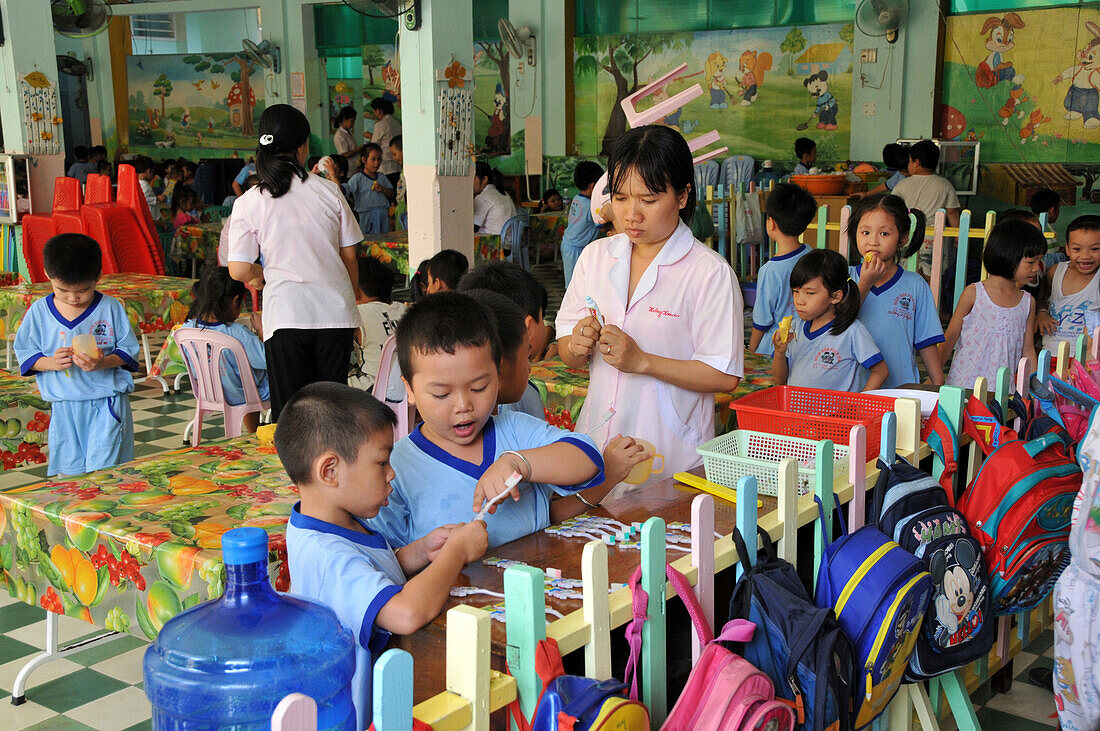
x: 879, y: 592
x: 1018, y: 507
x: 797, y: 644
x: 573, y: 703
x: 724, y: 692
x: 916, y: 512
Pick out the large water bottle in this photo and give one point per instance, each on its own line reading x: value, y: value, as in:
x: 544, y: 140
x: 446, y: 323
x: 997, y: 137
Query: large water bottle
x: 227, y: 663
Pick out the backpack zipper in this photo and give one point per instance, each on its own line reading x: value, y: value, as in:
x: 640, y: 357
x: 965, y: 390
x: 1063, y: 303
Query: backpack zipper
x: 886, y: 627
x: 861, y: 572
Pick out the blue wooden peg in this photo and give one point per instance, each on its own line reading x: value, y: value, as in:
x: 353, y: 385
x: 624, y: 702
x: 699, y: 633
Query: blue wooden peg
x: 746, y: 518
x: 960, y: 263
x: 654, y: 672
x: 525, y: 626
x: 1044, y: 366
x: 888, y: 440
x: 393, y: 691
x: 723, y: 220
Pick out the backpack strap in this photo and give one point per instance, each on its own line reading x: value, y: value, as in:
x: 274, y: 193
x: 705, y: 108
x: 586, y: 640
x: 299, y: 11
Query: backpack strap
x: 985, y: 428
x: 941, y: 436
x: 548, y: 666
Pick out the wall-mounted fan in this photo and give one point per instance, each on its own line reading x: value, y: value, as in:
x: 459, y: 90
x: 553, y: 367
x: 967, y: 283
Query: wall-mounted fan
x: 882, y: 17
x: 73, y: 66
x: 264, y: 54
x: 80, y: 18
x: 407, y: 10
x: 519, y: 42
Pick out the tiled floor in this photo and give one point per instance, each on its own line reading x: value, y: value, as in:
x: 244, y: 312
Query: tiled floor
x: 100, y: 687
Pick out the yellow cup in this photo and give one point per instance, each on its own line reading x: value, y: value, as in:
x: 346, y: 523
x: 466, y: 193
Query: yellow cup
x: 644, y: 469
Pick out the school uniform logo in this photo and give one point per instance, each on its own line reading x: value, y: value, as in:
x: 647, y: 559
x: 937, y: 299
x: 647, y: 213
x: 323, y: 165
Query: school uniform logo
x: 103, y: 332
x: 903, y: 306
x: 827, y: 359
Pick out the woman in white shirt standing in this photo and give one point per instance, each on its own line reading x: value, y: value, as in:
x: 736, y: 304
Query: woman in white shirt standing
x: 343, y: 139
x: 492, y: 206
x: 385, y: 130
x: 302, y: 230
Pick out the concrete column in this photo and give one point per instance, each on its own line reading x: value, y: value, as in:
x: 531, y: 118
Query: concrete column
x: 28, y: 46
x: 440, y: 207
x: 540, y: 92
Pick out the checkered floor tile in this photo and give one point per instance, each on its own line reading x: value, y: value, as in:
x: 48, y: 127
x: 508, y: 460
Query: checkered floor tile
x: 100, y: 688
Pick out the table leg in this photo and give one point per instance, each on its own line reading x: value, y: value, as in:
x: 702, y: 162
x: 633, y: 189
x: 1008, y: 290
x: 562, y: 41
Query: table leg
x: 149, y: 364
x: 52, y: 652
x: 7, y: 354
x: 178, y: 381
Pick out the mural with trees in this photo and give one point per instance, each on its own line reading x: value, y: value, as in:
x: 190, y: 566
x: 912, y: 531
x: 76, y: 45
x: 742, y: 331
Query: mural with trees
x: 219, y: 63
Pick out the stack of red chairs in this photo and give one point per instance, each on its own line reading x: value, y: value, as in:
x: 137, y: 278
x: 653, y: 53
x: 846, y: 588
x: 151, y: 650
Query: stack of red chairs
x: 124, y: 229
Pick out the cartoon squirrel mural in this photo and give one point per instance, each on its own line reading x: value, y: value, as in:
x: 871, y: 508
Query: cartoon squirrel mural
x: 716, y: 80
x: 752, y: 67
x: 1000, y: 38
x: 1083, y: 97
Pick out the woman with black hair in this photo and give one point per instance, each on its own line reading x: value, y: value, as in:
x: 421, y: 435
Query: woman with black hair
x: 302, y: 230
x: 343, y: 139
x: 492, y: 206
x: 385, y: 130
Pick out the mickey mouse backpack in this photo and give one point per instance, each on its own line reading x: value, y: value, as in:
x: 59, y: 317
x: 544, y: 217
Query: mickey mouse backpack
x: 916, y: 511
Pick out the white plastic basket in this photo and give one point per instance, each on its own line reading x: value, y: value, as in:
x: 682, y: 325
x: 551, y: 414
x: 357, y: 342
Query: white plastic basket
x: 740, y: 452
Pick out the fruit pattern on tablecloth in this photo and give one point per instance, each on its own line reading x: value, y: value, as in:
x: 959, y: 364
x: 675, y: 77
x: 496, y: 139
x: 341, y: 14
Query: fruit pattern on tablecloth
x: 153, y: 303
x: 563, y: 390
x: 129, y: 547
x: 169, y: 362
x: 24, y: 421
x: 197, y: 241
x: 545, y: 230
x: 392, y: 249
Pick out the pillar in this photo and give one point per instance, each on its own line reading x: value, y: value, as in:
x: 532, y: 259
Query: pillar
x: 441, y: 214
x: 538, y: 95
x: 28, y: 46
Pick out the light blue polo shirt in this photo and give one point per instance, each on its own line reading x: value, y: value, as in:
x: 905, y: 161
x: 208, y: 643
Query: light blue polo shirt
x: 901, y: 317
x: 434, y: 488
x: 354, y: 574
x: 774, y: 299
x: 820, y: 359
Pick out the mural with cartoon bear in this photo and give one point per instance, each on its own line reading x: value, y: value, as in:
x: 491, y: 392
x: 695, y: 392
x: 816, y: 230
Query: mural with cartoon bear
x: 1027, y: 84
x: 761, y: 86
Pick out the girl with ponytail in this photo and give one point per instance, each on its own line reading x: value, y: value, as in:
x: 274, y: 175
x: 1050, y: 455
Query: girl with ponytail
x: 826, y: 346
x: 492, y: 206
x: 301, y: 228
x: 898, y: 309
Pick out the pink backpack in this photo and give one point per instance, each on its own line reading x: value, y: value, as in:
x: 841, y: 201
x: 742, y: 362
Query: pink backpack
x: 724, y: 691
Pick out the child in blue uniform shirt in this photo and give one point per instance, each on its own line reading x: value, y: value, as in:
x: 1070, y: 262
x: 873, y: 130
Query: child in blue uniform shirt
x: 334, y: 442
x: 218, y: 302
x: 580, y: 229
x: 461, y: 455
x: 830, y: 349
x: 790, y: 210
x: 90, y: 422
x: 371, y: 193
x: 898, y: 309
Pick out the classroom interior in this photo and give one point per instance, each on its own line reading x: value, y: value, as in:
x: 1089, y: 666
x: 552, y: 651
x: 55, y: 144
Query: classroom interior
x: 188, y: 78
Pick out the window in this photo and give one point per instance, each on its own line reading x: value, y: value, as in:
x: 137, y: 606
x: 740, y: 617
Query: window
x: 159, y: 27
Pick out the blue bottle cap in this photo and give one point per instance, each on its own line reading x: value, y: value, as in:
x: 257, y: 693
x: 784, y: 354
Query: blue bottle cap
x: 244, y: 545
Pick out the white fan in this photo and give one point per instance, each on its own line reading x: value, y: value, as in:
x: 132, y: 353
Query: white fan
x: 264, y: 54
x: 882, y: 17
x: 519, y: 42
x: 407, y: 10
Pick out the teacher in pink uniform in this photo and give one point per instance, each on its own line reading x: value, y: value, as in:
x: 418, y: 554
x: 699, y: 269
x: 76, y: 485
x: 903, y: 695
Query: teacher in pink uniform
x: 673, y: 318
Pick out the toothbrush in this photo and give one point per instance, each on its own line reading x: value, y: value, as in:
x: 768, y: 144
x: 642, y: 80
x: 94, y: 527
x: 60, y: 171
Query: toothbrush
x: 603, y: 420
x: 509, y: 484
x: 593, y: 309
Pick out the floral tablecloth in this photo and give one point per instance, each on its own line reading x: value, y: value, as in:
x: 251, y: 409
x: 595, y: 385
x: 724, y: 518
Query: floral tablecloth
x: 563, y: 390
x: 393, y: 249
x: 545, y: 231
x: 199, y: 241
x: 24, y: 421
x: 154, y: 303
x: 128, y: 548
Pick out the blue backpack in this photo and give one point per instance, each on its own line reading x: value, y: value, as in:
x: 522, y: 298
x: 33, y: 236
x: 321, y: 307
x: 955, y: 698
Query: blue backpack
x: 879, y: 592
x: 797, y: 644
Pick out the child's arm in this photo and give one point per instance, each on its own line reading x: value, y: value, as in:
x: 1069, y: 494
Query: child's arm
x: 1045, y: 323
x: 1029, y: 340
x: 780, y: 371
x: 87, y: 363
x: 61, y: 360
x: 416, y: 555
x: 933, y: 364
x: 619, y: 457
x: 954, y: 328
x: 560, y: 463
x: 422, y: 598
x: 754, y: 339
x: 879, y: 373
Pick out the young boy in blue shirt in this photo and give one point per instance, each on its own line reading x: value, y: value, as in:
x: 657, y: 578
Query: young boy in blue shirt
x: 790, y: 210
x: 335, y: 442
x: 461, y: 455
x: 805, y: 150
x: 580, y: 230
x: 90, y: 422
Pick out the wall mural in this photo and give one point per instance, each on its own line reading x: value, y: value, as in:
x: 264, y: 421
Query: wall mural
x: 1027, y: 84
x: 760, y: 86
x: 199, y: 101
x: 381, y: 78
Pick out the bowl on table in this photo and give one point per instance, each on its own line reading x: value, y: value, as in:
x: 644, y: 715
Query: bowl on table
x: 826, y: 184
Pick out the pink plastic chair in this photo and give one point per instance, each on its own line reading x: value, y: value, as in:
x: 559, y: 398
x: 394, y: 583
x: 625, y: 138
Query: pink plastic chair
x: 202, y: 352
x: 381, y: 384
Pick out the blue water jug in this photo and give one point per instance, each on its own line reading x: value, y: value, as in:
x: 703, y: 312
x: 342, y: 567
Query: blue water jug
x: 228, y: 662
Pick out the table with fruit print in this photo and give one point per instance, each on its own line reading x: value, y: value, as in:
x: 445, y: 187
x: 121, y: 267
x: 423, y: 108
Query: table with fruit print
x: 563, y: 390
x: 154, y: 304
x: 24, y: 421
x: 392, y: 249
x: 545, y: 231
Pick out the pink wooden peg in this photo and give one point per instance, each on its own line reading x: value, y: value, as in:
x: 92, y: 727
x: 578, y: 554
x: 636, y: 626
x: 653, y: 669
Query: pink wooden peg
x: 701, y: 141
x: 857, y: 475
x: 1094, y: 351
x: 710, y: 155
x: 845, y: 215
x: 296, y: 712
x: 702, y: 558
x: 661, y: 109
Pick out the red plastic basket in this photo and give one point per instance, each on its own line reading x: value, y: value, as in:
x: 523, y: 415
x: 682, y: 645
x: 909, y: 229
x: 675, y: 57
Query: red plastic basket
x: 812, y: 413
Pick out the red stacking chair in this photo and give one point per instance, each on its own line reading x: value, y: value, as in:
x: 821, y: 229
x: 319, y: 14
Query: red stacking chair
x: 130, y: 195
x: 67, y: 195
x: 97, y: 189
x: 120, y: 236
x: 37, y: 230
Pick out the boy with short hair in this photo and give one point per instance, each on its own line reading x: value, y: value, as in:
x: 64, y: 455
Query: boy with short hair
x: 790, y: 210
x: 145, y: 170
x: 335, y: 442
x: 79, y: 169
x: 520, y: 286
x: 1074, y: 286
x: 444, y: 271
x: 460, y: 456
x: 91, y: 426
x: 378, y: 315
x: 805, y: 150
x: 580, y: 229
x: 928, y: 192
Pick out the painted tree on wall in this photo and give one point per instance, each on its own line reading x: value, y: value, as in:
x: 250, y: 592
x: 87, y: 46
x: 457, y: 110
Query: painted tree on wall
x: 218, y: 63
x: 847, y: 34
x: 792, y: 45
x: 373, y: 59
x: 496, y: 53
x: 620, y: 56
x: 162, y: 87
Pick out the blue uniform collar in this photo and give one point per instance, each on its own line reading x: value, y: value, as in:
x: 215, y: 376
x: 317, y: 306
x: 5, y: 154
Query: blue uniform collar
x: 96, y: 298
x: 814, y: 334
x: 788, y: 255
x: 370, y: 539
x: 488, y: 451
x: 883, y: 287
